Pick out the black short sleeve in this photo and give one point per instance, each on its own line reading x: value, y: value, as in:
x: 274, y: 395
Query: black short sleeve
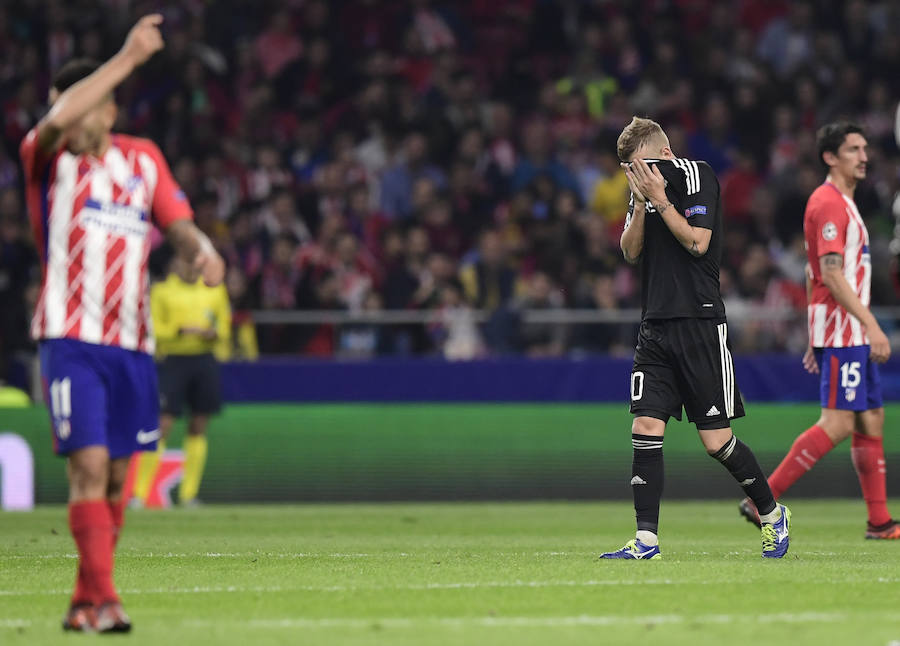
x: 702, y: 195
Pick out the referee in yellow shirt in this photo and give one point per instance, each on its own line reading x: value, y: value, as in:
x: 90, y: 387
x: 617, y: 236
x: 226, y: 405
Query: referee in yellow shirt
x: 192, y: 324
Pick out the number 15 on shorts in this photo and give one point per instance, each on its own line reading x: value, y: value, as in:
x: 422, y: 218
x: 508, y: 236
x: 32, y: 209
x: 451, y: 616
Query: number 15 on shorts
x: 850, y: 380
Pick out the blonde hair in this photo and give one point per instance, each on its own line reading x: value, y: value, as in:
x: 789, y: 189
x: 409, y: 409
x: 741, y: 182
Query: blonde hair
x: 636, y: 134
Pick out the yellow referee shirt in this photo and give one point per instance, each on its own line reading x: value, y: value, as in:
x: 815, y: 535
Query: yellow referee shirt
x: 176, y: 304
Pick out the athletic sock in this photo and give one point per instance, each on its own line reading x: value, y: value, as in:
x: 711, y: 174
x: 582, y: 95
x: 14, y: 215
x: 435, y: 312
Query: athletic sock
x: 647, y: 474
x: 194, y: 463
x: 82, y: 592
x: 809, y: 447
x: 772, y: 517
x: 117, y: 513
x: 741, y: 463
x: 868, y: 460
x: 91, y: 525
x: 647, y: 537
x: 148, y: 461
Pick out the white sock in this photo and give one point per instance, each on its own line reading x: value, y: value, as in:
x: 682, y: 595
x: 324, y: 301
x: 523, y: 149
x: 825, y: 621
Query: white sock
x: 647, y: 537
x: 772, y: 517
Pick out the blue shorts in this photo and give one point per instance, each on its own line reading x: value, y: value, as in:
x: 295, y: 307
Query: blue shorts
x: 850, y: 380
x: 100, y: 395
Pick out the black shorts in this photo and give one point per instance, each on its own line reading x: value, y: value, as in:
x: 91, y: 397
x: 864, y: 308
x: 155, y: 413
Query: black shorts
x: 685, y: 362
x: 191, y: 379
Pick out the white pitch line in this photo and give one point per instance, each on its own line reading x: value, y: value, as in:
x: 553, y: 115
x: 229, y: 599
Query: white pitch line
x: 14, y: 623
x: 549, y: 622
x: 213, y: 555
x: 517, y: 622
x: 352, y: 555
x: 460, y: 585
x: 352, y: 588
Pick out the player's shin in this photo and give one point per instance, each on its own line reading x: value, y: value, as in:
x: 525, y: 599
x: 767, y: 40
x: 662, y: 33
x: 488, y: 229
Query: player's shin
x: 742, y: 465
x: 806, y: 450
x: 647, y: 471
x: 148, y: 461
x: 195, y: 448
x: 92, y: 528
x: 868, y: 459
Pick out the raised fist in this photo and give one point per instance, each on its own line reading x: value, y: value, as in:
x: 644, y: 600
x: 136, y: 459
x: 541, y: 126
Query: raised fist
x: 144, y: 39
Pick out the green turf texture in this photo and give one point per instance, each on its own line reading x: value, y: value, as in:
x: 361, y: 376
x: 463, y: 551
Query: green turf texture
x: 453, y: 573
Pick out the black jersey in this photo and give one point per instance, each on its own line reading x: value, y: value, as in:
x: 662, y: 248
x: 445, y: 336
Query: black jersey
x: 676, y: 284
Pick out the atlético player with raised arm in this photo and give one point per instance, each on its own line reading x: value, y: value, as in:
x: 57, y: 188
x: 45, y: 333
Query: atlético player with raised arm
x: 845, y: 341
x: 92, y: 199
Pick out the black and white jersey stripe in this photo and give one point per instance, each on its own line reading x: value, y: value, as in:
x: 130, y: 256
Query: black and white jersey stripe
x: 691, y: 173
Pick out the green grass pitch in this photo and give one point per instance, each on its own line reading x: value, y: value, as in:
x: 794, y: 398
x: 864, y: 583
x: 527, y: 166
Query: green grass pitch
x: 447, y: 573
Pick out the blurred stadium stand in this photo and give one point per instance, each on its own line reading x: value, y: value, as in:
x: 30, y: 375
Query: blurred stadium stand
x: 449, y: 167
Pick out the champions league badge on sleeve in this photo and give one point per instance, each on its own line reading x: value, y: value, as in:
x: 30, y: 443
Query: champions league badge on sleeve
x: 695, y: 210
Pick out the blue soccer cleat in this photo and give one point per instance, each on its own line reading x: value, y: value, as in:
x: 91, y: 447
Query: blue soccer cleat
x: 775, y: 539
x: 634, y: 550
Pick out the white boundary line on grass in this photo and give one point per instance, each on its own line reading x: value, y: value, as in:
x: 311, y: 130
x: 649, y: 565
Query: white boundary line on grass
x: 462, y: 585
x: 347, y: 555
x: 15, y: 623
x: 512, y: 622
x: 548, y: 622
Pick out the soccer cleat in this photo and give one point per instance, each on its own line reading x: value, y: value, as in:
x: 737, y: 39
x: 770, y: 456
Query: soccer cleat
x: 634, y: 550
x: 81, y: 618
x: 111, y: 618
x: 748, y: 510
x: 775, y: 536
x: 889, y: 531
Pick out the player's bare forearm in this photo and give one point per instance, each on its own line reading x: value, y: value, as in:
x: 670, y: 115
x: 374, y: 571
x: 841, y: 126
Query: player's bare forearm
x: 632, y: 240
x: 694, y: 239
x: 195, y: 247
x: 186, y: 238
x: 833, y: 277
x: 142, y: 42
x: 82, y: 97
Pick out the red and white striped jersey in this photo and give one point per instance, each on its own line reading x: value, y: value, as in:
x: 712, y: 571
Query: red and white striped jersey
x: 832, y: 224
x: 92, y: 220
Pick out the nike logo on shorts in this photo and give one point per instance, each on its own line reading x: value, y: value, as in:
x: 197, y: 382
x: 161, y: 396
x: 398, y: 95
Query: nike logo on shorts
x: 145, y: 437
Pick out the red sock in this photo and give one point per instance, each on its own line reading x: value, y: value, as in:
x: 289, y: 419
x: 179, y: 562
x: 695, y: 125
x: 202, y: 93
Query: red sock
x: 82, y: 593
x: 91, y: 525
x: 868, y: 459
x: 806, y: 450
x: 117, y: 511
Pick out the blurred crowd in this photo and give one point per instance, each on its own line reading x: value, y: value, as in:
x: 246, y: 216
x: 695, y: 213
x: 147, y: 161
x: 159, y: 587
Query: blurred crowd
x: 459, y: 157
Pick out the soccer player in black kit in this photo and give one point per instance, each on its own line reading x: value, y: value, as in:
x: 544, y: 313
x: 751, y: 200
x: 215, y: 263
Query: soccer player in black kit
x: 674, y: 230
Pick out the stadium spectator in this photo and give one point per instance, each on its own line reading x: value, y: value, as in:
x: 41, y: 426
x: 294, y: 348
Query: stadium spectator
x: 274, y: 125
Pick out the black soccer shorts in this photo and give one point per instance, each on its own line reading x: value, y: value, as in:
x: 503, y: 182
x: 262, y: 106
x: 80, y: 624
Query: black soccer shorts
x: 685, y: 362
x: 191, y: 379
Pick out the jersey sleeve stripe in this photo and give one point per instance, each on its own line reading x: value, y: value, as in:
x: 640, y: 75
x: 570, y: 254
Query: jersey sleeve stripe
x: 691, y: 173
x: 695, y: 171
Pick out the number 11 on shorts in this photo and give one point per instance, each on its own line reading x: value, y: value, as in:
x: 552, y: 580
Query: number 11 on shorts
x: 61, y: 405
